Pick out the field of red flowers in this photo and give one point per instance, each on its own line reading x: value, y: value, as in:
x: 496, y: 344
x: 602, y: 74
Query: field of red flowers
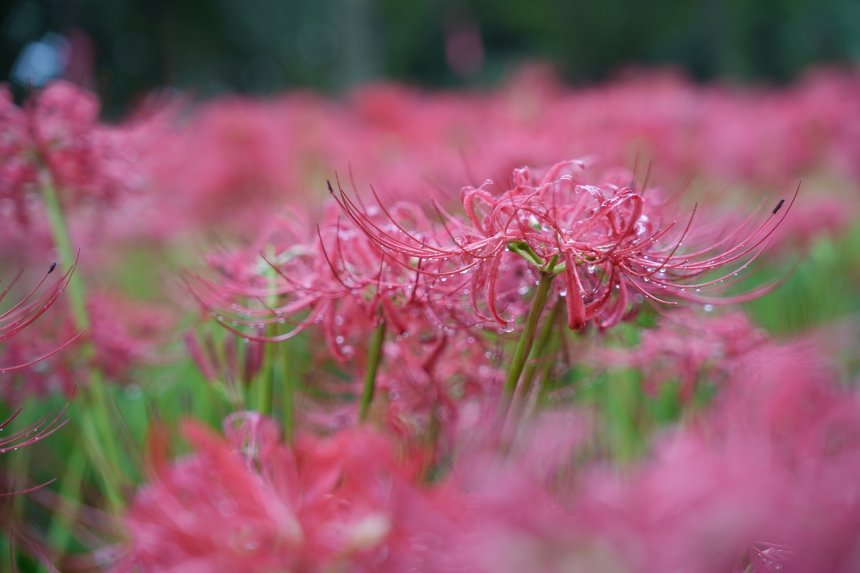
x: 537, y: 328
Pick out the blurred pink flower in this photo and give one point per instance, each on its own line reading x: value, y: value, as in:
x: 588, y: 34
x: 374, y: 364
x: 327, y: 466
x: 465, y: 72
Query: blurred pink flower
x: 56, y: 139
x: 347, y: 501
x: 125, y: 334
x: 686, y: 347
x: 12, y: 321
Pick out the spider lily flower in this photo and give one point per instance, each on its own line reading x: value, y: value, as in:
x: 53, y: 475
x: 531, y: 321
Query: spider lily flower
x: 28, y: 309
x: 688, y: 348
x: 22, y: 314
x: 124, y: 335
x: 56, y: 138
x: 346, y: 502
x: 339, y: 279
x: 610, y: 242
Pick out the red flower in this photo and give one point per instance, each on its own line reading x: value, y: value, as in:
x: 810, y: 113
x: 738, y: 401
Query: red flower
x: 13, y: 321
x: 339, y: 279
x: 58, y: 136
x: 341, y: 503
x: 610, y: 241
x: 27, y: 310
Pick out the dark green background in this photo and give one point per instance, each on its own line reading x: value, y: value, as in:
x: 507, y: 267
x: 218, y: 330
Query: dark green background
x: 261, y: 46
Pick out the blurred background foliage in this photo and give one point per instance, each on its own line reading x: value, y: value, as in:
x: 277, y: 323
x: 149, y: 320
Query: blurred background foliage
x: 123, y: 48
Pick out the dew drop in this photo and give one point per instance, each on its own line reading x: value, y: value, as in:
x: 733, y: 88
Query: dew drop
x: 708, y: 307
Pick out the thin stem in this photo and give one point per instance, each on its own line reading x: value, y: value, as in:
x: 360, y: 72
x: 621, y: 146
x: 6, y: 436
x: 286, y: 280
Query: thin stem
x: 101, y: 442
x: 62, y: 240
x: 269, y: 370
x: 289, y: 371
x: 540, y: 349
x: 527, y: 338
x: 374, y: 358
x: 59, y: 533
x: 265, y: 380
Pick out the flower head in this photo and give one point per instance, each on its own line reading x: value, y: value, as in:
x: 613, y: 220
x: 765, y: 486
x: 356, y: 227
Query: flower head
x: 347, y: 501
x: 611, y: 242
x: 57, y: 138
x: 336, y: 278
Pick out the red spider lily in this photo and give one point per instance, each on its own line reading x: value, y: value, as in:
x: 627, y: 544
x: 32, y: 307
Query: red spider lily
x: 12, y: 322
x: 124, y: 334
x: 339, y: 279
x: 27, y: 310
x: 609, y: 240
x: 57, y: 137
x: 323, y: 504
x: 28, y: 436
x: 688, y: 348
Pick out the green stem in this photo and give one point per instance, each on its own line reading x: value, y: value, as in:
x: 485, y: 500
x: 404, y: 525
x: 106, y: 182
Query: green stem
x: 269, y: 370
x: 290, y: 378
x: 59, y: 533
x: 527, y: 338
x: 265, y: 381
x: 540, y: 349
x: 374, y: 358
x: 75, y: 290
x: 95, y: 398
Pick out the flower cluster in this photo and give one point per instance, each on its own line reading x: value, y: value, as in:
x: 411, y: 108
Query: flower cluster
x: 56, y: 140
x: 345, y: 501
x: 532, y: 374
x: 611, y: 240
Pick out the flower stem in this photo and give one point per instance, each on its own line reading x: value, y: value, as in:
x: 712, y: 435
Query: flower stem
x: 62, y: 241
x: 527, y: 338
x: 374, y: 358
x: 289, y: 372
x: 60, y: 530
x: 95, y: 398
x: 540, y: 349
x: 266, y: 378
x: 269, y: 370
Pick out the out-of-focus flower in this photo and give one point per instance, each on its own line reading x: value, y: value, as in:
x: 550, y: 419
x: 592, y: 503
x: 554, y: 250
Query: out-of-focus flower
x: 12, y: 321
x: 56, y: 138
x: 124, y: 334
x: 688, y: 348
x: 347, y: 501
x: 338, y: 279
x: 762, y: 482
x: 27, y: 310
x: 232, y: 362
